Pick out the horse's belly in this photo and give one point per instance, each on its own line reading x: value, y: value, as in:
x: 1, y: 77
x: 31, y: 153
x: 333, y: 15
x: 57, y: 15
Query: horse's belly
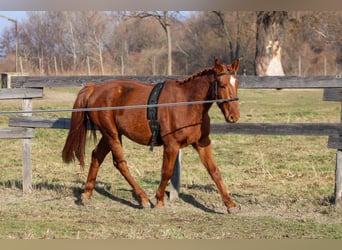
x: 135, y: 127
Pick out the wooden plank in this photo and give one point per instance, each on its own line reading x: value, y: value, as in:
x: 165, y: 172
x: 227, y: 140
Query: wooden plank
x: 16, y: 133
x: 247, y: 82
x: 6, y: 78
x: 77, y: 81
x: 333, y: 94
x: 289, y: 82
x: 21, y: 93
x: 39, y: 122
x: 320, y: 129
x: 335, y: 142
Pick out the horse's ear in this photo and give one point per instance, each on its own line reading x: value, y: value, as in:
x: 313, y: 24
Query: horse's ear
x: 217, y: 65
x: 235, y: 65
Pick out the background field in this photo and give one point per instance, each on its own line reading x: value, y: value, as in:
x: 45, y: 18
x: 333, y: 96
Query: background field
x: 284, y: 184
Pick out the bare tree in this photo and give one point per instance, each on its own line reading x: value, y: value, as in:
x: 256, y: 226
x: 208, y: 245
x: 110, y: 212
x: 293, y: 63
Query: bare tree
x: 228, y: 35
x: 76, y: 42
x: 165, y: 21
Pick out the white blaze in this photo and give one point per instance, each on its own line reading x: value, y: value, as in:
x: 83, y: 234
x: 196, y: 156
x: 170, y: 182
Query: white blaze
x: 232, y: 81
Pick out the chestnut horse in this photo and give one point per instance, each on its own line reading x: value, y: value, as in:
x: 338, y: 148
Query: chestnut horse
x: 179, y: 126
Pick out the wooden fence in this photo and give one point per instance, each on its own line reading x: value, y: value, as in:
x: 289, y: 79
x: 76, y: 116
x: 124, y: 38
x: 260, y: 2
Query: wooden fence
x: 24, y: 133
x: 332, y: 86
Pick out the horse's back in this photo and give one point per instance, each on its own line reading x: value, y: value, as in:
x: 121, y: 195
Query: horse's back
x: 131, y: 122
x: 118, y: 92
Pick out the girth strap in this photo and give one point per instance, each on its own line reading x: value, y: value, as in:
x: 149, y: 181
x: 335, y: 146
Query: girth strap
x: 152, y: 114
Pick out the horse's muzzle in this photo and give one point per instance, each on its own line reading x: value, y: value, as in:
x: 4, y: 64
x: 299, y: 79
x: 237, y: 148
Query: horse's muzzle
x: 232, y: 119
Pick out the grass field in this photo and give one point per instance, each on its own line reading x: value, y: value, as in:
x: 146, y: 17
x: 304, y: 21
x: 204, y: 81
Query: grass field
x: 284, y: 184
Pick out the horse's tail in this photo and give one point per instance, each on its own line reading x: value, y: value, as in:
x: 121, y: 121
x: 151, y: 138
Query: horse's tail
x: 76, y: 140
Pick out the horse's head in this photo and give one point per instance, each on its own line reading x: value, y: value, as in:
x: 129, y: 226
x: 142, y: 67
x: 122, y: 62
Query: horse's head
x: 226, y: 88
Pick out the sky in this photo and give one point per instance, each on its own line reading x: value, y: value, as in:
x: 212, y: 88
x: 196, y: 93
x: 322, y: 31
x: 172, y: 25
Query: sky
x: 21, y: 15
x: 16, y: 15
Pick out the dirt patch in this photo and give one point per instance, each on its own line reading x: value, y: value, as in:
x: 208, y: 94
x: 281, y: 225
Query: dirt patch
x: 299, y: 209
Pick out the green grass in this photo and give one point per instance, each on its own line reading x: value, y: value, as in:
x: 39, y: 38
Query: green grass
x: 283, y: 183
x: 102, y: 219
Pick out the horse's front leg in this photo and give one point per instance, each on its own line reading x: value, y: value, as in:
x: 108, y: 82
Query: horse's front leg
x: 97, y: 157
x: 207, y: 159
x: 169, y: 158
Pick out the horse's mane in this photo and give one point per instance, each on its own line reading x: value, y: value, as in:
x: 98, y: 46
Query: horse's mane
x: 203, y: 72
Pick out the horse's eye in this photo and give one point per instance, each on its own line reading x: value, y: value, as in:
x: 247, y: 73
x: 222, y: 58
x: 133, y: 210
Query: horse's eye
x: 222, y: 86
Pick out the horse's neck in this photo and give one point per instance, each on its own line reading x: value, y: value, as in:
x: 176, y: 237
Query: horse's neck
x: 199, y: 88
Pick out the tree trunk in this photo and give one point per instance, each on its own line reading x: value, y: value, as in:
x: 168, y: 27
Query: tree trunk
x: 101, y: 58
x: 169, y: 45
x: 270, y: 34
x: 73, y: 47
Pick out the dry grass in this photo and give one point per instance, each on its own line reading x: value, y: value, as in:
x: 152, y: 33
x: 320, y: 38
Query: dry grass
x: 283, y: 183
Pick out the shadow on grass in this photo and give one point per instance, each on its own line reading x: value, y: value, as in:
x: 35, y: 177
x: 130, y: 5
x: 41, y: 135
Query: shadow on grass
x: 105, y: 193
x: 100, y: 188
x: 77, y: 188
x: 12, y: 184
x: 187, y: 198
x: 192, y: 201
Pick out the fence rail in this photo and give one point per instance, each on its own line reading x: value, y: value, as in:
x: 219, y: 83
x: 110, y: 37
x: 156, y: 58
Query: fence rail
x: 332, y: 86
x: 16, y: 133
x: 246, y: 82
x: 309, y: 129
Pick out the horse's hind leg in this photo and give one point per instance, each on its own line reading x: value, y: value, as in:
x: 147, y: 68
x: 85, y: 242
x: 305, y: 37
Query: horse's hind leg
x: 121, y: 165
x: 97, y: 157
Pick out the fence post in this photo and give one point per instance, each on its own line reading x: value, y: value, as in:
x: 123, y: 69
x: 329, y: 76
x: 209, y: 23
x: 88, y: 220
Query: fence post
x: 175, y: 178
x: 338, y: 174
x: 338, y: 177
x: 5, y: 80
x: 26, y: 152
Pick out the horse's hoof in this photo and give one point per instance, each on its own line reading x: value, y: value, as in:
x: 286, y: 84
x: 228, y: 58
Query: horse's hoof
x: 146, y: 205
x: 82, y: 199
x: 159, y: 205
x: 85, y: 197
x: 234, y: 210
